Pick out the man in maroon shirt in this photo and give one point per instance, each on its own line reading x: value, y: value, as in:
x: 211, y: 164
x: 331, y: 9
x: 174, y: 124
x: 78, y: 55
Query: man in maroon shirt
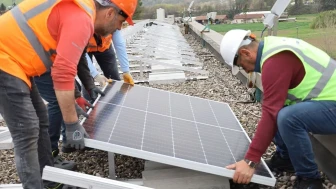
x: 298, y: 84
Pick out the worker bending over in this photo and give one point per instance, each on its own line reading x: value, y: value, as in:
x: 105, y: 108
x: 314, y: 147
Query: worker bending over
x: 86, y: 71
x: 299, y: 87
x: 45, y: 86
x: 48, y: 35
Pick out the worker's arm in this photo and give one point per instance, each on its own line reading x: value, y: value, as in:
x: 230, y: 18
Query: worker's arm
x: 120, y: 46
x: 93, y: 70
x: 84, y: 75
x: 277, y: 77
x: 72, y: 28
x: 101, y: 79
x: 84, y: 72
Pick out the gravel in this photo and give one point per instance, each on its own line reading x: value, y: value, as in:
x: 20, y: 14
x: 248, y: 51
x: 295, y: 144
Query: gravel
x: 220, y: 86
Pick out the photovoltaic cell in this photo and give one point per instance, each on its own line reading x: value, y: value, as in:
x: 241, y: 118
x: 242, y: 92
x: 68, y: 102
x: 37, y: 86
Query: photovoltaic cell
x: 170, y: 128
x: 159, y: 143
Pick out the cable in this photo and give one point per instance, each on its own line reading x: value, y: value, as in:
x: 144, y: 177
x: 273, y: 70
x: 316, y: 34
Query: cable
x: 262, y: 33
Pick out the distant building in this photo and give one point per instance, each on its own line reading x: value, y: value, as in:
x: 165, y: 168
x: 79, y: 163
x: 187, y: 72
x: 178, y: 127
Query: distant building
x: 247, y: 18
x: 160, y: 14
x: 253, y: 17
x: 220, y: 19
x: 265, y: 13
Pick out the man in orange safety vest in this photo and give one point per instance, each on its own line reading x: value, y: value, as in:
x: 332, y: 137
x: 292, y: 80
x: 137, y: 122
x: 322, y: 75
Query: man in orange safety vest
x: 41, y: 36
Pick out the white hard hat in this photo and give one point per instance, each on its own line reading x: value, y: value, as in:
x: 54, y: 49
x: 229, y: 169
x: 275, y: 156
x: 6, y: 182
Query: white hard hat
x: 230, y: 44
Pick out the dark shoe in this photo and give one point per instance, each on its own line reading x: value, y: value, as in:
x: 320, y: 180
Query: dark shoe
x: 52, y: 185
x: 71, y: 187
x: 63, y: 164
x: 306, y: 183
x: 69, y: 150
x: 278, y: 164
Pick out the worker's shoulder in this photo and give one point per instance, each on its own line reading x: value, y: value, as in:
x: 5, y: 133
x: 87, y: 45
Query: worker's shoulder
x: 283, y: 58
x: 69, y: 9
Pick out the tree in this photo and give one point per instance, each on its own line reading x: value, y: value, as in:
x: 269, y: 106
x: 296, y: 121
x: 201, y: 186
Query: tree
x: 298, y: 3
x: 327, y: 5
x: 138, y: 10
x: 2, y: 7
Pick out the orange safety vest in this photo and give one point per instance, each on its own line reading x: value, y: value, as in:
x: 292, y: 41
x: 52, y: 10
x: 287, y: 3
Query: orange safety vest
x: 26, y: 47
x: 102, y: 46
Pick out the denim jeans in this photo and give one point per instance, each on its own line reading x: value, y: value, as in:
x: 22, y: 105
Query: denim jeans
x: 107, y: 62
x: 45, y: 86
x: 27, y: 120
x: 294, y: 124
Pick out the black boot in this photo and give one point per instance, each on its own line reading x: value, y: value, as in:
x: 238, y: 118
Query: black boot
x: 278, y: 164
x: 61, y: 163
x: 306, y: 183
x: 52, y: 185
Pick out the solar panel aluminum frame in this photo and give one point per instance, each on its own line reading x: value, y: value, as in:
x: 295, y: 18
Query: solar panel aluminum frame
x: 84, y: 180
x: 146, y: 155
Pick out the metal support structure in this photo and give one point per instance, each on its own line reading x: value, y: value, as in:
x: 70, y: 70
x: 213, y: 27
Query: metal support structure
x: 83, y: 180
x: 161, y: 50
x: 112, y: 174
x: 274, y: 30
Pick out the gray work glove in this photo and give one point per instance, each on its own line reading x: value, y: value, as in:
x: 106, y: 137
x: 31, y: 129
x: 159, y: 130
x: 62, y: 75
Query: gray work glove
x: 94, y: 93
x: 80, y: 111
x: 75, y: 134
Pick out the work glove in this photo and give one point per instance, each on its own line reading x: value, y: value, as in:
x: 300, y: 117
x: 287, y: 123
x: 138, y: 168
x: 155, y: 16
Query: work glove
x: 128, y: 78
x: 83, y: 103
x: 101, y: 80
x: 94, y: 93
x: 80, y: 111
x: 75, y: 134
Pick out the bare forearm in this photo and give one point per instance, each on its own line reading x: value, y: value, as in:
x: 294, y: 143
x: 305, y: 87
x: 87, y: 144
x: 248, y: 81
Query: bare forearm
x: 66, y: 101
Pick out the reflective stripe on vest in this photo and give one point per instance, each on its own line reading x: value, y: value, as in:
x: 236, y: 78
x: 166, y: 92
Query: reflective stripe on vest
x: 86, y: 8
x: 327, y: 72
x: 22, y: 21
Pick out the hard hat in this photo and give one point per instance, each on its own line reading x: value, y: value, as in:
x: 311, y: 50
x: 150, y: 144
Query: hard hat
x: 230, y: 44
x: 127, y: 7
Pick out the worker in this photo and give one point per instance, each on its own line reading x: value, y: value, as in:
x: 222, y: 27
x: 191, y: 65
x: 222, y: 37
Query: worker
x: 299, y: 86
x: 48, y: 35
x: 101, y: 48
x: 86, y: 71
x: 45, y: 87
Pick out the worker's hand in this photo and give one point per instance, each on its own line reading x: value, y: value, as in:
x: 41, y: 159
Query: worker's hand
x: 75, y: 134
x: 243, y: 172
x: 94, y: 93
x: 83, y: 103
x: 102, y: 80
x: 80, y: 111
x: 128, y: 78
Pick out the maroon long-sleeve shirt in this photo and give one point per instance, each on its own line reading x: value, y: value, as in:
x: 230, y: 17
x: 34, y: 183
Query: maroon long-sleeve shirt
x: 280, y: 72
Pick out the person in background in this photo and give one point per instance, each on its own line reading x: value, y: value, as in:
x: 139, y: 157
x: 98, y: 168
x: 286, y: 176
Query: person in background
x: 101, y: 48
x: 299, y: 85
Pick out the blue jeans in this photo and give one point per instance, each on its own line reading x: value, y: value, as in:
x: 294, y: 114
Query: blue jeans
x: 107, y: 62
x: 45, y: 86
x: 26, y: 116
x: 294, y: 124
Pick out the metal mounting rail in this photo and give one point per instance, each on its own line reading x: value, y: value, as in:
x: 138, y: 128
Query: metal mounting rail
x: 83, y: 180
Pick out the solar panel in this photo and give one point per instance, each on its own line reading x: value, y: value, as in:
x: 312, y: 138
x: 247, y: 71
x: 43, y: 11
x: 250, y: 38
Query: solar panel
x: 170, y: 128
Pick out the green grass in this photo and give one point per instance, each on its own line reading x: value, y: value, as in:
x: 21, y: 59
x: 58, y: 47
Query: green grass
x: 9, y: 2
x: 322, y: 38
